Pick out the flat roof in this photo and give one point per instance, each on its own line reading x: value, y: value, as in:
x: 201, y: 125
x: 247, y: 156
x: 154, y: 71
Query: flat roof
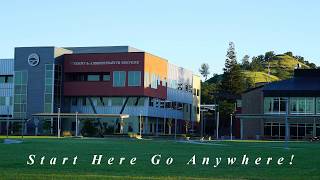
x: 80, y: 115
x: 253, y: 116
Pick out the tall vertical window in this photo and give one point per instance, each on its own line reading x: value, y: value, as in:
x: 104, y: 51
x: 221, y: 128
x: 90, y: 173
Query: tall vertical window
x: 274, y: 105
x: 134, y: 78
x: 146, y: 79
x: 48, y: 91
x: 119, y: 78
x: 20, y: 94
x: 154, y: 83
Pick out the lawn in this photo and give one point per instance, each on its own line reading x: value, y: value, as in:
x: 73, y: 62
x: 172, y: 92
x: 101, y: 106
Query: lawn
x: 14, y: 157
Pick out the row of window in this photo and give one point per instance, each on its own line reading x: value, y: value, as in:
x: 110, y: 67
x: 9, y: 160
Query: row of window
x: 132, y: 101
x: 296, y: 130
x: 88, y: 76
x: 107, y: 101
x: 154, y: 102
x: 119, y: 78
x: 6, y: 78
x: 297, y: 105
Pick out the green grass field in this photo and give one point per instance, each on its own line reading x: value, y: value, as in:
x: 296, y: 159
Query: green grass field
x: 13, y: 159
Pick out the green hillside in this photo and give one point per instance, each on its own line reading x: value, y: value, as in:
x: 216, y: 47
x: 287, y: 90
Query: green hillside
x: 285, y: 62
x: 259, y: 77
x: 281, y: 67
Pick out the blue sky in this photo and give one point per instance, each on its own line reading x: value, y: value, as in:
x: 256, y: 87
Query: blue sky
x: 185, y: 32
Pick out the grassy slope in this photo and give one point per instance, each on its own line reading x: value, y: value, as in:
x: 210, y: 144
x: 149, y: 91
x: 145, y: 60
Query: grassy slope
x: 13, y: 160
x: 258, y: 77
x: 286, y: 63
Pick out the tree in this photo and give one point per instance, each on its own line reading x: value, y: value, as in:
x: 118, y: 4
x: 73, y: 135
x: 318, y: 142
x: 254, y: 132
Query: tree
x: 289, y: 53
x: 245, y: 62
x: 269, y: 56
x: 257, y: 63
x: 204, y: 70
x: 232, y: 78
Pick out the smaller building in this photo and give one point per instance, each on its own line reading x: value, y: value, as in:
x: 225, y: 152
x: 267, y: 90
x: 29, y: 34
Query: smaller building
x: 265, y: 108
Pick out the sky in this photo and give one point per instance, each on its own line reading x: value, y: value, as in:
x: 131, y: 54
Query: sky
x: 185, y: 32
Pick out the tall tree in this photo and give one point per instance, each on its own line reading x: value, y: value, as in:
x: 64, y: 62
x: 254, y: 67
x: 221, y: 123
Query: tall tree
x: 245, y: 64
x: 204, y: 70
x: 257, y: 63
x: 232, y: 78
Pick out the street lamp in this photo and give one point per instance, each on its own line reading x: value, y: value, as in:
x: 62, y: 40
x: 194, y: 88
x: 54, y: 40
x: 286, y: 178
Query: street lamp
x: 231, y: 127
x: 58, y: 122
x: 140, y: 124
x: 77, y: 128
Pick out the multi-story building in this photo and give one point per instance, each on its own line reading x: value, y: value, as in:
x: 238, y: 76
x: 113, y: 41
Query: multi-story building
x: 103, y: 80
x: 6, y: 90
x: 265, y: 108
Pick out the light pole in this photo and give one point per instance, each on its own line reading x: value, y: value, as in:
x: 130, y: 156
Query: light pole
x: 140, y: 125
x: 287, y: 124
x: 217, y: 128
x: 77, y: 128
x: 231, y: 127
x: 7, y: 122
x: 58, y: 122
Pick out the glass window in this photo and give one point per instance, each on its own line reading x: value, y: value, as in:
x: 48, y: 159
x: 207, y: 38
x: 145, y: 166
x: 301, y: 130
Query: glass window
x: 74, y: 101
x: 134, y: 78
x: 154, y: 81
x: 2, y: 79
x: 119, y: 78
x: 48, y: 107
x: 274, y: 105
x: 106, y: 77
x: 93, y: 78
x: 48, y: 98
x: 146, y: 79
x: 9, y: 79
x: 302, y: 105
x: 117, y: 101
x: 102, y: 101
x: 2, y: 101
x: 267, y: 129
x: 17, y: 78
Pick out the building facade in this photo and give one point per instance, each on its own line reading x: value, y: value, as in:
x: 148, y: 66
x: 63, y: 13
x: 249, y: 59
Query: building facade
x: 102, y: 80
x: 265, y: 108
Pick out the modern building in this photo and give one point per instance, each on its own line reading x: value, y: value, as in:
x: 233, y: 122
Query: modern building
x: 98, y: 80
x: 265, y: 108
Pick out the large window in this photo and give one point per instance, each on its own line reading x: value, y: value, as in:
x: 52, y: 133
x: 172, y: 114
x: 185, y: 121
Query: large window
x: 93, y: 77
x: 274, y: 105
x: 49, y: 85
x: 20, y: 94
x: 2, y: 100
x: 302, y: 105
x: 318, y: 105
x: 6, y: 78
x: 134, y: 78
x: 119, y: 78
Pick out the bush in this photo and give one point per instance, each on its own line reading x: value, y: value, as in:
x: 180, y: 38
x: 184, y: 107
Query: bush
x: 89, y: 129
